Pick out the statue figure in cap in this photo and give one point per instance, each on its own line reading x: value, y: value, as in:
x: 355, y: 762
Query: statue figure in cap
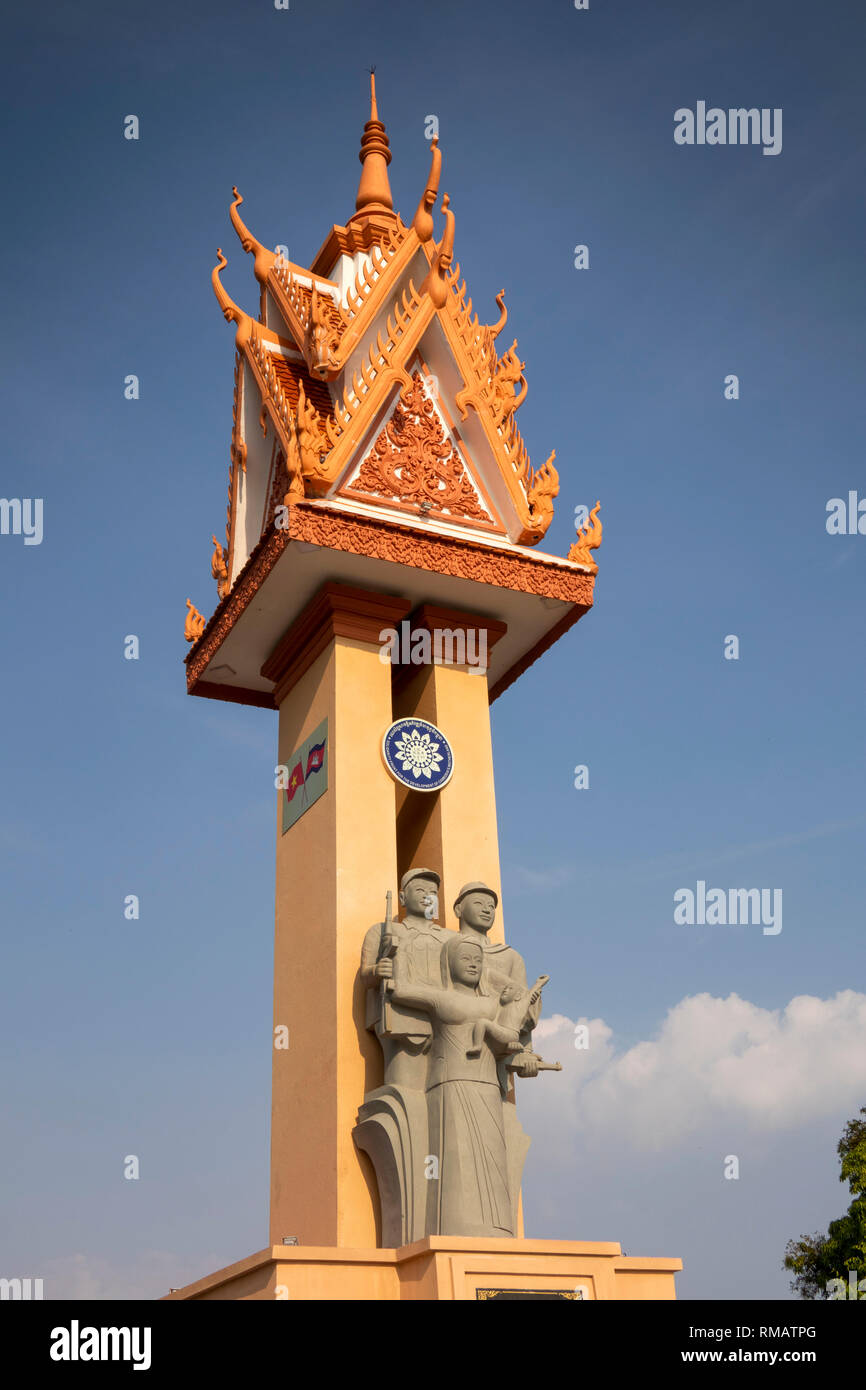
x: 404, y: 1032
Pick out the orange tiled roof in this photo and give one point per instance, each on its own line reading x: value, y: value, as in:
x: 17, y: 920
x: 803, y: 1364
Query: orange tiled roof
x: 326, y: 304
x: 291, y: 374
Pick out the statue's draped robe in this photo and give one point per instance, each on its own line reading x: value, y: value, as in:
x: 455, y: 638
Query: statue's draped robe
x: 505, y: 966
x: 464, y: 1106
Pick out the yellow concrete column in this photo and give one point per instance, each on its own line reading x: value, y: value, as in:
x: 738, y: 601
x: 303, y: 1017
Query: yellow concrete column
x: 453, y: 831
x: 334, y: 866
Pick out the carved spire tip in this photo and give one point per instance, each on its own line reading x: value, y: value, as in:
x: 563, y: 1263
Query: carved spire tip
x: 375, y: 156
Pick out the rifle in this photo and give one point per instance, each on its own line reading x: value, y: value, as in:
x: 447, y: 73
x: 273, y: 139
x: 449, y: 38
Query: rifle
x: 542, y: 1065
x: 387, y: 950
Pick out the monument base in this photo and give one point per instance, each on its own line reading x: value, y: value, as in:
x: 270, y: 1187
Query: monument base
x: 442, y: 1267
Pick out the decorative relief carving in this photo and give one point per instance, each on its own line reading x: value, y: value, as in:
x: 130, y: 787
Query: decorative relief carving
x: 588, y: 538
x: 313, y: 440
x: 436, y: 282
x: 387, y: 541
x: 219, y: 568
x: 414, y: 461
x: 508, y: 385
x: 323, y: 334
x: 542, y: 485
x: 194, y: 625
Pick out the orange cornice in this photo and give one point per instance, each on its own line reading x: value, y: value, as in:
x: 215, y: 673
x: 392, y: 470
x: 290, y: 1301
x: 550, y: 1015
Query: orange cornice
x: 431, y: 616
x: 529, y: 658
x: 337, y: 610
x: 234, y: 694
x: 402, y: 544
x: 348, y: 241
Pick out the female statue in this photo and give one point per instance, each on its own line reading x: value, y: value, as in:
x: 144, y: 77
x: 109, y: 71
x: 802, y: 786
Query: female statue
x: 464, y: 1099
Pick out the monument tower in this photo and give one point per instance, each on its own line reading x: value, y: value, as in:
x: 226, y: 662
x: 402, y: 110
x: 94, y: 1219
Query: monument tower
x: 379, y: 587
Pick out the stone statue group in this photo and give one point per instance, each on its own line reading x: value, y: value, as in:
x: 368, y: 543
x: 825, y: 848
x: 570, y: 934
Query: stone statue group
x: 454, y: 1016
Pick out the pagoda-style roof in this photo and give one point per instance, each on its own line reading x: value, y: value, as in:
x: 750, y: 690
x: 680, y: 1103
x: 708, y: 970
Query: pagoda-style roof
x: 367, y: 385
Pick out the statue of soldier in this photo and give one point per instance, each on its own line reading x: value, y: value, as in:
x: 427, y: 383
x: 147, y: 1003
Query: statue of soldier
x: 405, y: 1033
x: 504, y: 968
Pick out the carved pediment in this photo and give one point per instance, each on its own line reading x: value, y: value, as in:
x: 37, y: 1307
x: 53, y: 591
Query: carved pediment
x: 416, y: 463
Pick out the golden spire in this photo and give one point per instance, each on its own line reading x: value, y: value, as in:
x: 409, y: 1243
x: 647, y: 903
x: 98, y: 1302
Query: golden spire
x: 423, y: 221
x: 374, y: 190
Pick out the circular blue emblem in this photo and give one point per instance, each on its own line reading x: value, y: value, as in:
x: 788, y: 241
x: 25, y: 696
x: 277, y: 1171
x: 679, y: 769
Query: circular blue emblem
x: 418, y: 755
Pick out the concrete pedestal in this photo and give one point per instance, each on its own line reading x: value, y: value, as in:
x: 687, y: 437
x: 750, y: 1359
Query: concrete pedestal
x: 441, y: 1268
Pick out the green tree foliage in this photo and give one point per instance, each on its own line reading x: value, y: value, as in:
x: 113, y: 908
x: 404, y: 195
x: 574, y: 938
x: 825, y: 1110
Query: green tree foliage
x: 816, y: 1260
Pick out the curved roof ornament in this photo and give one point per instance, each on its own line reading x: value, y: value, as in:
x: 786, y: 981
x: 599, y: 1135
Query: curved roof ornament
x: 423, y: 220
x: 264, y: 259
x: 496, y: 328
x: 435, y: 283
x: 231, y: 311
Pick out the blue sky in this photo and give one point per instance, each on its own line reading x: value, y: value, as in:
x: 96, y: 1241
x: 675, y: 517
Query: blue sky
x: 153, y: 1037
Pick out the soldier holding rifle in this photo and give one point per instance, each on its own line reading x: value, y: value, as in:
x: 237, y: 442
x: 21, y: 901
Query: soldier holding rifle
x: 404, y: 1032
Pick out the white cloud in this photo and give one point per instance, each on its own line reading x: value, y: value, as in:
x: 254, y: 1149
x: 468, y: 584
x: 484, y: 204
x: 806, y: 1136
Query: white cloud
x: 630, y: 1144
x: 713, y: 1060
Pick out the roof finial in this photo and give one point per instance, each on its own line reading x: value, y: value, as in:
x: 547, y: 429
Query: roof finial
x: 436, y: 283
x: 265, y: 259
x: 423, y: 221
x: 374, y: 190
x: 231, y: 312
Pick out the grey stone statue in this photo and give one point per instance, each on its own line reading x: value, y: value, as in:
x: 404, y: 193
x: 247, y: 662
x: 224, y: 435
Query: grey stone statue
x: 454, y: 1016
x: 475, y: 907
x: 470, y: 1193
x: 404, y: 1033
